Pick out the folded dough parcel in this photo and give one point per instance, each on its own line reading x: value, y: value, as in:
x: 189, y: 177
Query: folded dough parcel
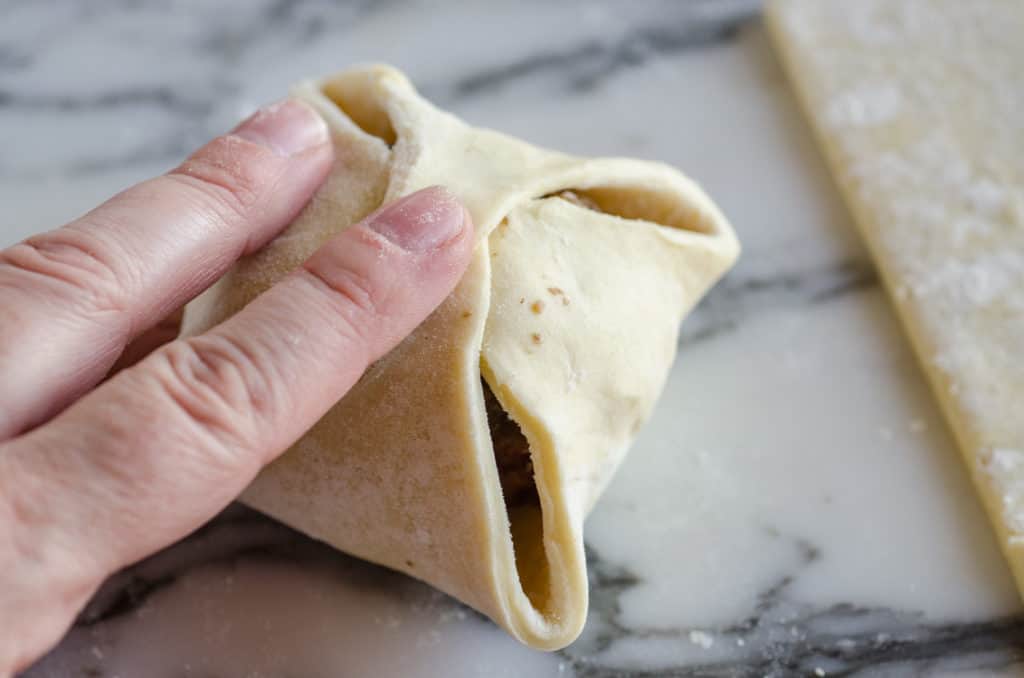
x: 469, y: 456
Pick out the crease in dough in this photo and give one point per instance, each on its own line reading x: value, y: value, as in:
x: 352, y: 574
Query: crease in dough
x: 470, y: 455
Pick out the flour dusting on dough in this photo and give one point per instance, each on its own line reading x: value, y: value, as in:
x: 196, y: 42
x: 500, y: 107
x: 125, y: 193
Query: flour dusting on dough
x: 920, y: 105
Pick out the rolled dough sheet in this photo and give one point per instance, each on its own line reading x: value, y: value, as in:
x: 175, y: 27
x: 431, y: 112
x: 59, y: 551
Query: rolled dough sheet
x: 919, y: 105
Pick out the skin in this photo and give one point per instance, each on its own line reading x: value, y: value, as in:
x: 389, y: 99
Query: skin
x: 117, y: 439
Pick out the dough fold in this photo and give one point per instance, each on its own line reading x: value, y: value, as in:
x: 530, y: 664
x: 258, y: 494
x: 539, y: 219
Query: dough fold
x: 568, y: 314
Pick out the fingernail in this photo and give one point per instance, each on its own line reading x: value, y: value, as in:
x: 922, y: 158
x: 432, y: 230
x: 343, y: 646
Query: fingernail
x: 287, y: 127
x: 422, y: 221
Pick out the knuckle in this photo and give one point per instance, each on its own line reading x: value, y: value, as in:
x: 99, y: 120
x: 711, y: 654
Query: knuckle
x: 37, y: 554
x: 22, y: 520
x: 221, y: 179
x: 15, y: 516
x: 70, y: 262
x: 356, y: 299
x: 221, y: 386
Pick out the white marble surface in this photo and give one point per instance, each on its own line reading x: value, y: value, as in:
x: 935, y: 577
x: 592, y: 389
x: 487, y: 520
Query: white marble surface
x: 795, y: 507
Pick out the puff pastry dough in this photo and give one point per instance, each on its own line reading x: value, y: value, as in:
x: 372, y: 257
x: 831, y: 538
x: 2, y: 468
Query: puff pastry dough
x: 919, y: 105
x: 566, y: 320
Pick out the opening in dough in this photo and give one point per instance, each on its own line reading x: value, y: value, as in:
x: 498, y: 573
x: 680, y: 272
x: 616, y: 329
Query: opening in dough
x: 522, y: 503
x: 631, y: 202
x: 356, y: 99
x: 511, y: 454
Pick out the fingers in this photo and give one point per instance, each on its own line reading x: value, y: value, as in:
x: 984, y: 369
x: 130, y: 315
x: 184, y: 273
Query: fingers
x: 156, y: 336
x: 162, y: 446
x: 73, y: 298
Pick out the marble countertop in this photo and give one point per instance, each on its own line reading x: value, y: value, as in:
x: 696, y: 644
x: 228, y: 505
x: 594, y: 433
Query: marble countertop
x: 796, y: 506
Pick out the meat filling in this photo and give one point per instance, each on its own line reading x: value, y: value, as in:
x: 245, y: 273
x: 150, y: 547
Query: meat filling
x: 511, y: 453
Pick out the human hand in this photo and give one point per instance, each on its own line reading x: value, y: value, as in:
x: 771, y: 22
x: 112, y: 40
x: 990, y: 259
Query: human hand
x: 96, y: 474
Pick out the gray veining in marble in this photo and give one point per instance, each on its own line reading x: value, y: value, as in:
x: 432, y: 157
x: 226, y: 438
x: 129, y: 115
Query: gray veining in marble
x: 795, y: 507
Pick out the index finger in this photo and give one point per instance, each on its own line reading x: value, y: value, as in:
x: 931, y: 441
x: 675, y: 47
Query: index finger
x: 164, y: 445
x: 74, y: 297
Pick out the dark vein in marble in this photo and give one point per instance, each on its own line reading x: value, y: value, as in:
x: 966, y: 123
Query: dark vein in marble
x: 13, y: 60
x: 163, y: 98
x: 608, y: 582
x: 981, y: 645
x: 840, y: 640
x: 917, y: 644
x: 807, y: 554
x: 298, y: 21
x: 780, y: 638
x: 164, y: 151
x: 304, y: 28
x: 586, y: 66
x: 169, y: 150
x: 737, y: 298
